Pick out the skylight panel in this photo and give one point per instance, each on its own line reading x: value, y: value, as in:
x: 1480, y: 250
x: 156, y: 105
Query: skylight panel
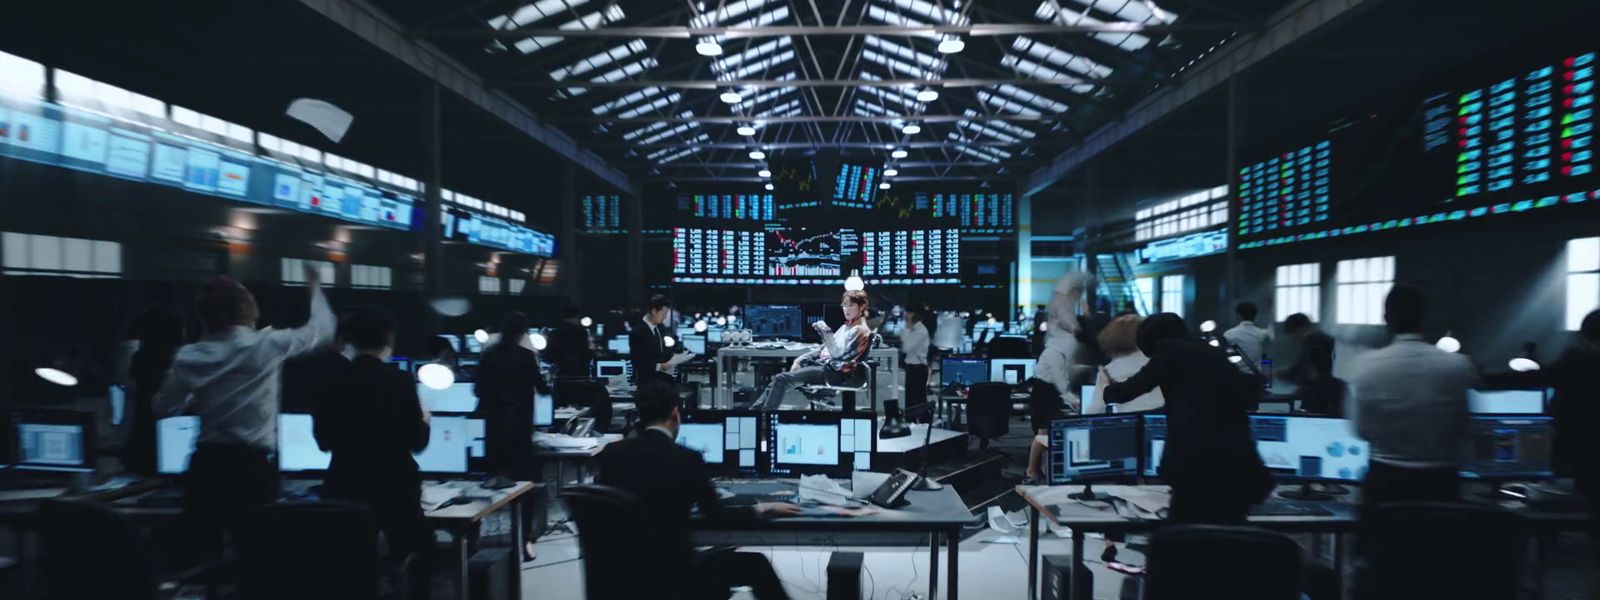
x: 600, y: 60
x: 1061, y: 58
x: 895, y: 64
x: 679, y: 154
x: 19, y: 74
x: 893, y: 18
x: 1011, y: 128
x: 994, y: 133
x: 731, y: 61
x: 534, y: 12
x: 679, y: 129
x: 785, y: 109
x: 931, y: 12
x: 727, y: 11
x: 910, y: 102
x: 762, y: 20
x: 529, y: 45
x: 758, y: 66
x: 651, y: 128
x: 626, y: 71
x: 1138, y: 11
x: 873, y: 109
x: 628, y: 100
x: 657, y: 104
x: 1030, y: 98
x: 976, y: 147
x: 1126, y: 41
x: 906, y: 53
x: 1041, y: 72
x: 768, y: 96
x: 1006, y: 105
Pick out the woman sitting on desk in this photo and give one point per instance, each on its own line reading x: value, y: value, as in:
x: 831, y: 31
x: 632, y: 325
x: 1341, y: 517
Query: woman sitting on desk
x: 835, y: 362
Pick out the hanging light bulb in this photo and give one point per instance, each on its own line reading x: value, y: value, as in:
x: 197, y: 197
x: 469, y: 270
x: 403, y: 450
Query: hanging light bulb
x: 764, y: 173
x: 927, y: 95
x: 708, y: 48
x: 1523, y: 365
x: 769, y: 187
x: 952, y: 45
x: 539, y: 341
x: 586, y: 322
x: 746, y: 130
x: 1208, y: 326
x: 1448, y: 344
x: 56, y: 376
x: 883, y: 186
x: 911, y: 129
x: 758, y: 155
x: 700, y: 326
x: 1235, y: 359
x: 853, y: 283
x: 481, y: 335
x: 899, y: 154
x: 890, y: 172
x: 436, y: 376
x: 732, y: 97
x: 1215, y: 344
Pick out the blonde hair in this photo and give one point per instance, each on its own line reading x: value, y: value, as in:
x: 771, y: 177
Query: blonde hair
x: 1121, y: 336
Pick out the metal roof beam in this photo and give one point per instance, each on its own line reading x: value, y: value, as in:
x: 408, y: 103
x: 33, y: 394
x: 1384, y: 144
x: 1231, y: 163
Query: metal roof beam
x: 705, y: 84
x: 809, y: 145
x: 740, y: 119
x: 973, y: 30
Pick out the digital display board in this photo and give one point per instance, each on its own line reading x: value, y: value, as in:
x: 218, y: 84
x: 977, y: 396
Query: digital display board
x: 803, y: 256
x: 1285, y: 191
x: 733, y: 207
x: 484, y: 230
x: 975, y: 213
x: 857, y: 185
x: 602, y: 214
x: 916, y: 256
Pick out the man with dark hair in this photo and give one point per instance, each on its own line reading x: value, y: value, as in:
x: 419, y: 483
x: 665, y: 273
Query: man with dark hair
x: 229, y: 378
x: 835, y: 363
x: 669, y: 479
x: 303, y: 375
x: 1319, y: 391
x: 1252, y: 341
x: 1411, y: 405
x: 647, y: 343
x: 369, y: 417
x: 571, y: 349
x: 507, y: 379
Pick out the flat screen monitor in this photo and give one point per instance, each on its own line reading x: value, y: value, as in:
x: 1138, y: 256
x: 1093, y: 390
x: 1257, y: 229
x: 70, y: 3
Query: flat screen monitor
x: 819, y: 443
x: 455, y: 443
x: 473, y: 345
x: 1308, y: 448
x: 117, y: 398
x: 1155, y: 440
x: 458, y: 398
x: 298, y: 451
x: 175, y: 438
x: 1090, y: 448
x: 54, y: 440
x: 1011, y: 371
x: 618, y: 345
x: 1086, y: 395
x: 729, y: 441
x: 695, y: 344
x: 613, y: 371
x: 454, y: 340
x: 401, y: 362
x: 544, y: 410
x: 1508, y: 447
x: 774, y: 320
x: 960, y: 373
x: 1506, y: 402
x: 714, y: 335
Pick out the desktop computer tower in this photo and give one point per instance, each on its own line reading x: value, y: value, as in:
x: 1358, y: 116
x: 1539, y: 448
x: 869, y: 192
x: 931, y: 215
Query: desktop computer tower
x: 844, y: 576
x: 495, y: 574
x: 1058, y: 577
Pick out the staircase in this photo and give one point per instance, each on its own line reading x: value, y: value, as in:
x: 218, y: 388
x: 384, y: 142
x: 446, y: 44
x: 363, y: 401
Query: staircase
x: 1116, y: 279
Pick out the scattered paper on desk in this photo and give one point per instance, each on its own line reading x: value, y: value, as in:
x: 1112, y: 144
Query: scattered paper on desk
x: 435, y: 495
x: 820, y: 489
x: 556, y: 441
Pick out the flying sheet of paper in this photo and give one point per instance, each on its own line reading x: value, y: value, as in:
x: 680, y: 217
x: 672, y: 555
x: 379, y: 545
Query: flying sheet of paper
x: 326, y: 118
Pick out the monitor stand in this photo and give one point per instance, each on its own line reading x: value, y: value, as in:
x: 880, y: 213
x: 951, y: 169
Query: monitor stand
x: 1087, y: 495
x: 1305, y: 493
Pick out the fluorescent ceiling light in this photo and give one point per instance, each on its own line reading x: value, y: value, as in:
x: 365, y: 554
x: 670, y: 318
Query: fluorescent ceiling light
x: 769, y: 187
x: 898, y: 154
x: 746, y: 130
x: 758, y: 155
x: 890, y: 172
x: 952, y: 46
x: 708, y: 48
x: 764, y: 173
x: 911, y: 129
x: 732, y: 97
x: 927, y: 95
x: 883, y: 186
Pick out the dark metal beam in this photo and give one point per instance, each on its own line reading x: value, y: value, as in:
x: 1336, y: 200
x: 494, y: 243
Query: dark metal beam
x: 703, y: 84
x: 900, y: 179
x: 973, y: 30
x: 817, y: 119
x: 757, y: 165
x: 809, y: 145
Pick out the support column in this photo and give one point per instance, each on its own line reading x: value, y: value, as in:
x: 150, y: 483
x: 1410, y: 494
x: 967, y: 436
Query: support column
x: 433, y: 205
x: 1023, y: 294
x: 1231, y: 292
x: 1090, y: 217
x: 567, y: 247
x: 635, y: 212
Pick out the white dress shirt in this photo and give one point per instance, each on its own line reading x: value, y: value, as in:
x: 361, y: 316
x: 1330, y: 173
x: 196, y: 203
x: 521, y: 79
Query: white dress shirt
x: 1252, y: 342
x: 1120, y: 369
x: 1055, y: 368
x: 1409, y: 400
x: 914, y: 343
x: 230, y: 378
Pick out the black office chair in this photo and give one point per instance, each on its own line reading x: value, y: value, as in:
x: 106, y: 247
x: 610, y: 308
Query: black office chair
x: 87, y: 550
x: 1010, y: 347
x: 1442, y: 550
x: 609, y: 522
x: 325, y: 549
x: 988, y: 411
x: 1210, y: 561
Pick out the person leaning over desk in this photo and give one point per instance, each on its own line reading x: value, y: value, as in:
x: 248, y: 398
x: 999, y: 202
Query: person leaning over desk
x: 669, y: 480
x: 835, y: 362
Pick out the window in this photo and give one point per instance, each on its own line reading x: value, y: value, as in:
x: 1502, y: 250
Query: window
x: 1363, y: 284
x: 294, y: 271
x: 517, y: 285
x: 29, y: 254
x: 1200, y: 210
x: 1172, y: 294
x: 369, y: 277
x: 488, y: 284
x: 1147, y: 294
x: 1583, y: 280
x: 1299, y: 290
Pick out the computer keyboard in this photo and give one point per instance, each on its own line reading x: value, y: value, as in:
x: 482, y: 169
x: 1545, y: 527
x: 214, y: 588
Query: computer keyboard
x: 1289, y: 508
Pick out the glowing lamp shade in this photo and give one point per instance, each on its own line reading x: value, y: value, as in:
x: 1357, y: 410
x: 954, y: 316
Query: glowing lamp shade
x: 1523, y: 365
x: 1448, y: 344
x: 899, y: 154
x: 952, y: 46
x: 884, y: 186
x: 1235, y: 359
x: 722, y: 321
x: 699, y: 326
x: 764, y: 173
x: 1208, y: 326
x: 731, y: 97
x: 1044, y: 326
x: 481, y: 335
x: 769, y: 187
x: 757, y: 155
x: 539, y: 341
x: 1215, y: 344
x: 436, y: 376
x: 56, y: 376
x: 668, y: 341
x: 746, y: 130
x: 708, y: 48
x: 853, y: 283
x: 927, y: 95
x: 890, y: 172
x: 911, y: 129
x: 586, y: 322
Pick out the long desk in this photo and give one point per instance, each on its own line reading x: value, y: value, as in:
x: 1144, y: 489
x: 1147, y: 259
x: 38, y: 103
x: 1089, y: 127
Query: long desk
x: 939, y: 515
x: 579, y: 457
x: 727, y: 355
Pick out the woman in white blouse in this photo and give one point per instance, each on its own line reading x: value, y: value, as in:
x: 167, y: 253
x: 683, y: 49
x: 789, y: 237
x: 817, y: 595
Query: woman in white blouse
x: 1119, y: 340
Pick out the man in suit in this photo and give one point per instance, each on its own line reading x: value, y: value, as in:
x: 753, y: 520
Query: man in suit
x: 1320, y: 392
x: 302, y: 377
x: 508, y: 377
x: 570, y: 345
x: 669, y: 480
x: 647, y: 343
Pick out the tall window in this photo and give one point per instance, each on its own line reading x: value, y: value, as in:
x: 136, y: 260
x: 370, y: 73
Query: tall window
x: 1147, y: 294
x: 1583, y: 280
x: 1363, y: 284
x: 369, y: 277
x: 29, y: 254
x: 294, y: 271
x: 1172, y: 294
x: 517, y: 285
x: 488, y: 284
x: 1299, y: 290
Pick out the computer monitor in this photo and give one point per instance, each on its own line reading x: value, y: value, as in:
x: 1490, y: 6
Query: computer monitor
x: 695, y: 343
x: 401, y: 362
x: 1506, y: 402
x: 544, y: 410
x: 618, y: 345
x: 454, y: 340
x: 729, y: 441
x: 819, y: 443
x: 473, y: 345
x: 714, y: 335
x: 455, y: 443
x: 117, y: 399
x: 458, y: 398
x: 1011, y: 371
x: 1307, y: 448
x: 54, y: 440
x: 960, y: 373
x: 774, y: 320
x: 1155, y: 441
x: 1508, y: 447
x: 298, y: 451
x: 1091, y: 448
x: 683, y: 331
x: 615, y: 372
x: 175, y: 438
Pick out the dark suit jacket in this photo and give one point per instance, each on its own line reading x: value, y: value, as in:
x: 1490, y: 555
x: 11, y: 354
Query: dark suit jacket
x: 369, y: 417
x: 569, y: 350
x: 301, y: 379
x: 646, y: 350
x: 507, y: 378
x: 1209, y: 444
x: 1316, y: 359
x: 669, y: 480
x: 1576, y: 406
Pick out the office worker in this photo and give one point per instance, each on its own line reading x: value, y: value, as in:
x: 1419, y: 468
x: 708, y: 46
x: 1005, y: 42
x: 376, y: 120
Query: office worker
x: 669, y: 480
x: 1120, y: 341
x: 369, y: 418
x: 571, y: 350
x: 1319, y: 392
x: 159, y: 331
x: 302, y: 377
x: 508, y: 377
x: 229, y: 378
x: 1576, y: 379
x: 1050, y: 395
x: 914, y: 341
x: 835, y: 362
x: 1210, y: 458
x: 647, y: 347
x: 1251, y: 340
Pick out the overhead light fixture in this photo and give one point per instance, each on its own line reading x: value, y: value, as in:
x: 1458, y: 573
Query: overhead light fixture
x: 758, y: 155
x: 700, y: 326
x: 927, y: 95
x: 1235, y: 359
x: 1448, y: 343
x: 436, y: 376
x: 1215, y: 344
x: 764, y: 173
x: 890, y: 172
x: 481, y: 335
x: 732, y: 97
x: 668, y: 341
x: 769, y: 187
x: 746, y: 130
x: 898, y: 154
x: 1523, y: 365
x: 883, y: 186
x: 853, y: 283
x: 539, y: 341
x: 722, y: 321
x: 708, y: 48
x: 911, y: 129
x: 1208, y: 326
x: 952, y: 46
x: 1044, y: 327
x: 586, y: 322
x: 56, y: 376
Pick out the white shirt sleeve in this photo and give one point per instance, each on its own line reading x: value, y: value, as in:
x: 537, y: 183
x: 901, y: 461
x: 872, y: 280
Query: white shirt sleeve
x: 914, y: 343
x: 837, y: 345
x: 317, y: 331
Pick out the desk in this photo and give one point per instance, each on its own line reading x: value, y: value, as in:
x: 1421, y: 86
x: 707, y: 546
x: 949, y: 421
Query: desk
x: 579, y: 456
x: 723, y: 398
x: 935, y: 514
x: 1052, y: 501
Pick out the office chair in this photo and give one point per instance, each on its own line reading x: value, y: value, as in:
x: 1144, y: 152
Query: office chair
x: 1442, y: 550
x: 90, y: 551
x: 609, y: 524
x: 988, y: 411
x: 325, y: 549
x: 1010, y: 347
x: 1211, y: 561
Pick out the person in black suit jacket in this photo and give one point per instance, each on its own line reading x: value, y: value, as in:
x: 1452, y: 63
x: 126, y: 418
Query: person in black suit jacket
x: 670, y: 480
x: 508, y: 377
x: 300, y: 382
x: 570, y: 349
x: 647, y: 346
x: 1210, y: 457
x: 369, y: 417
